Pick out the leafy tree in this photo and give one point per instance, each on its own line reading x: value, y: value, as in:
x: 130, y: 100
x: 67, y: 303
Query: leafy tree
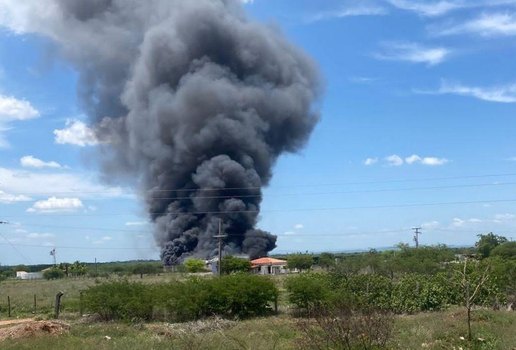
x: 326, y: 260
x: 300, y: 261
x: 505, y: 250
x: 194, y: 265
x: 488, y: 242
x: 77, y: 269
x: 53, y: 273
x: 145, y: 269
x: 231, y: 264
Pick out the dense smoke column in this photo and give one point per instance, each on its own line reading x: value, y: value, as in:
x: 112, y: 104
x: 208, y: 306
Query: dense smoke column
x: 197, y: 102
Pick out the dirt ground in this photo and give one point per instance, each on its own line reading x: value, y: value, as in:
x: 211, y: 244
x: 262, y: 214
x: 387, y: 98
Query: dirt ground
x: 14, y: 329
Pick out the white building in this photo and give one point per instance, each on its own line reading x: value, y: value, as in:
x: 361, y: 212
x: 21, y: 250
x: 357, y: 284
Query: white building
x: 22, y: 275
x: 269, y: 266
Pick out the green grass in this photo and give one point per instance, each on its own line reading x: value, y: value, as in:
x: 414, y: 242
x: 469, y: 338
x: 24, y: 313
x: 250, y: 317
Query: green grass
x: 432, y: 330
x: 435, y: 330
x: 22, y: 293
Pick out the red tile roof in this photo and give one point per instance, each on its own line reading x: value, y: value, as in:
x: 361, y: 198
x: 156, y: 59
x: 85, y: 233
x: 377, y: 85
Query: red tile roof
x: 267, y: 261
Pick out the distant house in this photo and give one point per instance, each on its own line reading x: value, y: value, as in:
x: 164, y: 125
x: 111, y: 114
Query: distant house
x: 269, y: 266
x: 22, y: 275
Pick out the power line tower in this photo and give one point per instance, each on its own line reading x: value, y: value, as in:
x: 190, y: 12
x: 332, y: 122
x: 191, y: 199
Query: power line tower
x: 220, y: 236
x: 417, y: 232
x: 53, y: 253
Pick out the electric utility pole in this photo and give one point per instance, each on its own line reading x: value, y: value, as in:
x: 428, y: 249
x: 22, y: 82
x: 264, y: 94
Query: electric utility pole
x: 417, y: 232
x: 220, y: 236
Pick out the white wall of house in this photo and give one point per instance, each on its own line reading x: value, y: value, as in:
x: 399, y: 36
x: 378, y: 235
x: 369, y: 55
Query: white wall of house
x: 22, y: 275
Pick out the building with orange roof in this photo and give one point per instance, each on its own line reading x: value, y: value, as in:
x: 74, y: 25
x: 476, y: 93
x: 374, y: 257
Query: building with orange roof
x: 269, y: 266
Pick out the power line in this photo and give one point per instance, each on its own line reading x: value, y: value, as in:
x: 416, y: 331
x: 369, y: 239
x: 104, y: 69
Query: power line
x: 13, y: 246
x: 76, y: 247
x: 338, y: 192
x: 285, y: 186
x: 386, y: 206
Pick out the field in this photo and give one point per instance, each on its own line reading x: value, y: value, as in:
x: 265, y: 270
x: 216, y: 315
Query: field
x: 430, y: 330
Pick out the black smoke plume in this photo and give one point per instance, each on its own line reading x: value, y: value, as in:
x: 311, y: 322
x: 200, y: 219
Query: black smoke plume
x: 195, y: 102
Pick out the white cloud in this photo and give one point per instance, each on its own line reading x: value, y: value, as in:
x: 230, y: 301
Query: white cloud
x: 370, y: 161
x: 475, y: 221
x: 289, y: 233
x: 54, y: 204
x: 413, y: 159
x: 103, y: 240
x: 500, y: 94
x: 500, y: 218
x: 441, y: 7
x: 21, y: 183
x: 7, y: 198
x: 430, y: 225
x: 457, y: 222
x: 431, y: 161
x: 394, y: 160
x: 434, y: 161
x: 14, y: 109
x: 136, y: 223
x: 350, y: 11
x: 426, y: 8
x: 32, y: 162
x: 36, y: 235
x: 76, y: 133
x: 412, y: 52
x: 494, y: 24
x: 299, y: 226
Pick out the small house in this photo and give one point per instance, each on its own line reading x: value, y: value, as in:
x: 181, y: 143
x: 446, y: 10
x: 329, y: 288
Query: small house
x: 23, y: 275
x: 269, y: 266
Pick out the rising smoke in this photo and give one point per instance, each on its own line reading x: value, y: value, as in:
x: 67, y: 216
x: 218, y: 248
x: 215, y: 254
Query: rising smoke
x: 195, y: 103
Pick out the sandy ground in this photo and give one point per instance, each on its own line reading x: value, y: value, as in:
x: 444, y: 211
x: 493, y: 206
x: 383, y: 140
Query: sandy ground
x: 13, y: 329
x: 15, y: 321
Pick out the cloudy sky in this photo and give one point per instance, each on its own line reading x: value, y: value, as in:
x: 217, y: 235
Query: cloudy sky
x: 417, y: 129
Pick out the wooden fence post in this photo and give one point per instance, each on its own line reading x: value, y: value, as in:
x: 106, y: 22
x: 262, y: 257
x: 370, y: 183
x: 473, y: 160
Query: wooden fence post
x: 81, y: 308
x: 57, y: 305
x: 9, y: 305
x: 35, y: 304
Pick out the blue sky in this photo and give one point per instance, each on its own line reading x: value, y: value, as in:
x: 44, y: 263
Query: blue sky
x: 417, y: 128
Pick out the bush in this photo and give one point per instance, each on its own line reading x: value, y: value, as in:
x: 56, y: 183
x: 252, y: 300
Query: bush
x: 231, y: 264
x: 235, y: 296
x: 120, y: 300
x: 194, y: 265
x: 300, y: 261
x: 53, y: 273
x: 307, y: 291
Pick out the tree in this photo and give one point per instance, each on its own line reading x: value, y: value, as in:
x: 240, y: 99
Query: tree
x: 231, y: 264
x: 488, y: 242
x: 471, y: 282
x: 300, y: 261
x: 194, y: 265
x: 53, y: 273
x: 142, y: 269
x: 505, y: 250
x: 326, y: 260
x: 77, y: 269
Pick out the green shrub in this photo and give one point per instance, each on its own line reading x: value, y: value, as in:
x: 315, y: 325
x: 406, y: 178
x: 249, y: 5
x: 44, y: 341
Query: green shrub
x: 231, y: 264
x: 53, y: 273
x: 300, y: 261
x: 235, y: 296
x: 120, y: 300
x: 308, y: 290
x: 194, y: 265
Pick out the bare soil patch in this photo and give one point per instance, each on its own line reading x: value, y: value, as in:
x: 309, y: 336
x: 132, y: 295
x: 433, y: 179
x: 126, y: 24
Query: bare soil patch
x: 33, y: 328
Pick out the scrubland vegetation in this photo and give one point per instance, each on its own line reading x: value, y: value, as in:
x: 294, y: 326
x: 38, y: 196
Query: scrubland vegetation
x: 430, y: 297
